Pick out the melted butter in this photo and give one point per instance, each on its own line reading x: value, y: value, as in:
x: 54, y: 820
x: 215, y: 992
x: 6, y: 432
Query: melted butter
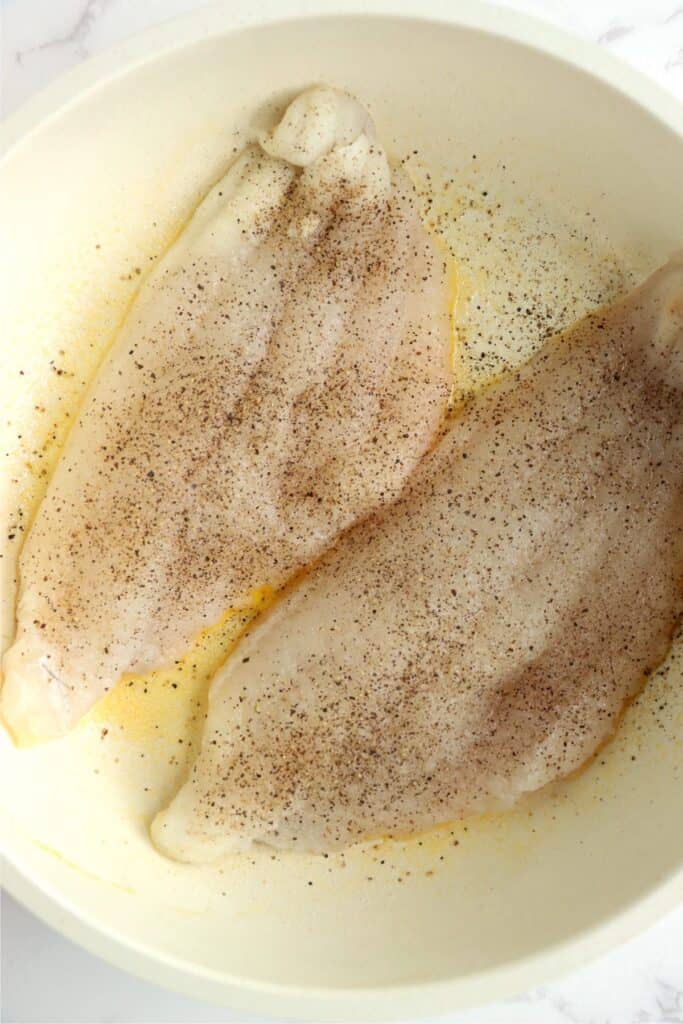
x: 526, y: 268
x: 462, y: 289
x: 168, y: 706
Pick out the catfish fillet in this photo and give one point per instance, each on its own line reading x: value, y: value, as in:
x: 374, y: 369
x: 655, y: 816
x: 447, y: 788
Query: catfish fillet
x: 278, y: 378
x: 479, y: 638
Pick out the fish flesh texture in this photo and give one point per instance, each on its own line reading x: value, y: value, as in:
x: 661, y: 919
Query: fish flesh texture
x: 480, y: 637
x: 279, y: 376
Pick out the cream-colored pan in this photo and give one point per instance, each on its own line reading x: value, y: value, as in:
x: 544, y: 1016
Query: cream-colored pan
x: 101, y: 171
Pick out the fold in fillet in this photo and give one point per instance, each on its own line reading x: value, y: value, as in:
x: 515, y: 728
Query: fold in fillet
x: 278, y: 378
x: 479, y: 638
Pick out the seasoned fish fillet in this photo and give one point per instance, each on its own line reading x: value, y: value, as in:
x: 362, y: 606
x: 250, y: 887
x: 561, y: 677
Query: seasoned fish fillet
x: 479, y: 638
x: 278, y: 377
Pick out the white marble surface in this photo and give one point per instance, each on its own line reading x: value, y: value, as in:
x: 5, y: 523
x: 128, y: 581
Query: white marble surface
x: 46, y: 979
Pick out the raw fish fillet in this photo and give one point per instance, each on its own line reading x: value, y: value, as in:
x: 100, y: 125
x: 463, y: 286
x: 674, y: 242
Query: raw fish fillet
x: 479, y: 638
x: 278, y: 378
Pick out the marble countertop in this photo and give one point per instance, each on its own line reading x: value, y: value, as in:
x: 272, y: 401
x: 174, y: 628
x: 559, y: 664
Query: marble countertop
x: 44, y: 978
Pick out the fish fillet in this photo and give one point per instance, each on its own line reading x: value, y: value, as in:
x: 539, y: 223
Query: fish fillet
x: 479, y: 638
x: 279, y: 376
